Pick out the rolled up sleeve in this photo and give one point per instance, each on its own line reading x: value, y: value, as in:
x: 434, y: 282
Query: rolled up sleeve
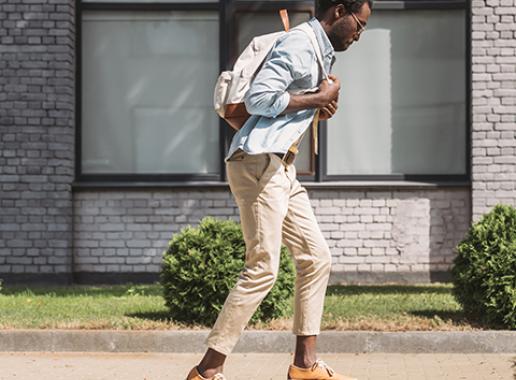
x: 289, y: 60
x: 266, y: 104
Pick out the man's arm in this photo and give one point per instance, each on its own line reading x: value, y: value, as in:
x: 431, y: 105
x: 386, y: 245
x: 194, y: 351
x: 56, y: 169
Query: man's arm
x: 290, y: 59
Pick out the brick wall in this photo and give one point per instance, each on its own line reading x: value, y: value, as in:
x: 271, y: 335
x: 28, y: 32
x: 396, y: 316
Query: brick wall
x: 494, y: 104
x: 374, y: 235
x: 36, y: 136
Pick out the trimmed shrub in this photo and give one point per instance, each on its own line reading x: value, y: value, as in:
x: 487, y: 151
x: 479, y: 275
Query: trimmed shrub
x: 201, y: 266
x: 484, y: 271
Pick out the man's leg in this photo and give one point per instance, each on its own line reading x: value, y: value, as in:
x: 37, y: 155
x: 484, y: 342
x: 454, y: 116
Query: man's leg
x: 212, y: 363
x: 261, y: 191
x: 306, y: 351
x: 312, y: 257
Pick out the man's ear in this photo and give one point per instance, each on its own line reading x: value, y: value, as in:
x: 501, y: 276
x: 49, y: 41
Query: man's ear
x: 339, y: 11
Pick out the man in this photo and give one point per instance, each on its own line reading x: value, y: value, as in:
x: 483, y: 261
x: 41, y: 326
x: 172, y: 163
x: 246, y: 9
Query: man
x: 274, y: 207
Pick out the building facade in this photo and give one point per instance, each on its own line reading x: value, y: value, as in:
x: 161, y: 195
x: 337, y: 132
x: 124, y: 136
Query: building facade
x: 109, y: 144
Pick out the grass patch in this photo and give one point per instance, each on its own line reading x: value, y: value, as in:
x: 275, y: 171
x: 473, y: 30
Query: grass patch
x: 426, y: 307
x: 141, y: 307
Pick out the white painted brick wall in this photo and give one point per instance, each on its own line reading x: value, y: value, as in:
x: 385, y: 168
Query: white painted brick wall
x: 374, y: 231
x: 494, y: 104
x: 36, y: 135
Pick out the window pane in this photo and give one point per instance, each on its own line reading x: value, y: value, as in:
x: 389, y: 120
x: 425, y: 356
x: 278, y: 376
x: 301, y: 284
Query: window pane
x: 147, y: 89
x: 253, y: 24
x: 305, y: 155
x: 402, y: 107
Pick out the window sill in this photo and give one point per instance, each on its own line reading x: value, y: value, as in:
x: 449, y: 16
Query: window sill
x: 215, y: 185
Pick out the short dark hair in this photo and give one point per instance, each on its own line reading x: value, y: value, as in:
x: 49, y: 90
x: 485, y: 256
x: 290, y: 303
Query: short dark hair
x: 351, y: 6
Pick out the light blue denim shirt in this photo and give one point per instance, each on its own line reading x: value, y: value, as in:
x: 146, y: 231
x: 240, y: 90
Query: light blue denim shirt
x: 290, y: 66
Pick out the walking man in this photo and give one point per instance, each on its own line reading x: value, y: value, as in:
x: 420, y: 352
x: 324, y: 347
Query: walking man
x: 274, y: 207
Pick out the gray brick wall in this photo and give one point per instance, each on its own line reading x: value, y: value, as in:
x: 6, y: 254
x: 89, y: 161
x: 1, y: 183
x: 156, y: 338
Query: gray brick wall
x: 36, y: 135
x: 369, y: 232
x: 494, y: 104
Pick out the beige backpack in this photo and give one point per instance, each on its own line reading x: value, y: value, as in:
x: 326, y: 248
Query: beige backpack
x: 231, y: 86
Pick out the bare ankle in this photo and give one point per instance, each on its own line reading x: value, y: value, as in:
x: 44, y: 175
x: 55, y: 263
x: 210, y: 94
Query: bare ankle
x: 209, y: 372
x: 305, y: 355
x: 304, y: 362
x: 211, y: 363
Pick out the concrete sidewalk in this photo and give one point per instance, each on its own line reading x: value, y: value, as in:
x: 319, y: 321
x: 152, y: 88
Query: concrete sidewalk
x: 251, y: 366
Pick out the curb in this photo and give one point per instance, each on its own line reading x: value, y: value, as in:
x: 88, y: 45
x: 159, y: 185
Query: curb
x: 182, y: 341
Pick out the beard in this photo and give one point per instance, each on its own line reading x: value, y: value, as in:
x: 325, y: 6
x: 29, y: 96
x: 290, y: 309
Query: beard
x: 338, y: 45
x: 340, y: 36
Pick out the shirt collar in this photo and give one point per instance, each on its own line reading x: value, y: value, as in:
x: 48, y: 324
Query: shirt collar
x: 322, y: 38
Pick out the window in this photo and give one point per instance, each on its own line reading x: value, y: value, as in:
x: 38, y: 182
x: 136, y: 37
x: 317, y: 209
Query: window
x: 146, y: 108
x: 403, y: 103
x: 147, y: 70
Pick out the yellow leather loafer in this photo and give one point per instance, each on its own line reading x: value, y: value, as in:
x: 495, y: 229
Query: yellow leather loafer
x: 195, y: 375
x: 318, y: 371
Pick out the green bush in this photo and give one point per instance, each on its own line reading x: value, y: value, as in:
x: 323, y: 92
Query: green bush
x: 484, y: 271
x: 202, y: 264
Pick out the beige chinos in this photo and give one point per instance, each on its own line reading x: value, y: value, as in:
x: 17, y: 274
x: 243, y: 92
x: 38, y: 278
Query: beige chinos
x: 274, y: 209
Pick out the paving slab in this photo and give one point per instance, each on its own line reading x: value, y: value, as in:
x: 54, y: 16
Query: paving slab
x: 251, y: 366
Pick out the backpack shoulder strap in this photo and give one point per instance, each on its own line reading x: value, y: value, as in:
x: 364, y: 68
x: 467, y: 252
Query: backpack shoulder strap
x: 284, y: 19
x: 305, y: 27
x: 293, y: 149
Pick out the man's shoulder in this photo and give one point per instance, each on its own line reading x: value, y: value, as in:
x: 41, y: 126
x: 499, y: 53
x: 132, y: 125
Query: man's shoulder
x: 295, y: 35
x: 295, y: 41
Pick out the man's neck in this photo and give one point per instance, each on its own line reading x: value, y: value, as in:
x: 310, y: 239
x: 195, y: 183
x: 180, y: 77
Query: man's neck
x: 324, y: 24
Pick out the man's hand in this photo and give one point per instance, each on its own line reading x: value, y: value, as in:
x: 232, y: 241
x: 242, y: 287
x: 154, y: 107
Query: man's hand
x: 328, y: 111
x: 330, y: 91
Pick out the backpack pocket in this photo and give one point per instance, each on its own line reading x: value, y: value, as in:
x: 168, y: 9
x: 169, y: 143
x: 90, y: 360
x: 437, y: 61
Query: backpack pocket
x: 221, y: 92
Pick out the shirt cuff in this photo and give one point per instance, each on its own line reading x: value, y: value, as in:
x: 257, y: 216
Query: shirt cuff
x: 280, y: 104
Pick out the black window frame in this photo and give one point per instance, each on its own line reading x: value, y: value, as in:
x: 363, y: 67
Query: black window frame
x: 438, y: 179
x: 135, y: 178
x: 227, y: 10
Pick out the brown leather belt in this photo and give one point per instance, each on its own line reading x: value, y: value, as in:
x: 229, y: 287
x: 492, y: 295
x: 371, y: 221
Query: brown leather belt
x: 288, y: 157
